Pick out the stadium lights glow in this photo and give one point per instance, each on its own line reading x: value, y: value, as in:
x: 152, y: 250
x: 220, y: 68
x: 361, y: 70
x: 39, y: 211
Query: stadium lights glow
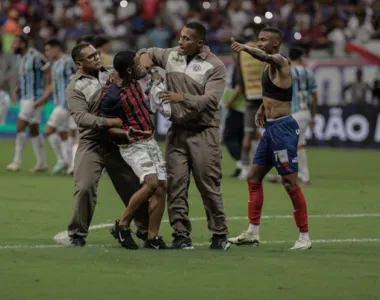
x: 123, y: 3
x: 257, y: 20
x: 268, y: 15
x: 206, y: 5
x: 297, y: 36
x: 26, y: 29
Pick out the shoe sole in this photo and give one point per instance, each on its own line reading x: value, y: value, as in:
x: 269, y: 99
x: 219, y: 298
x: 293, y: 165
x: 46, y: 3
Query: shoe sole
x: 301, y: 249
x: 253, y: 244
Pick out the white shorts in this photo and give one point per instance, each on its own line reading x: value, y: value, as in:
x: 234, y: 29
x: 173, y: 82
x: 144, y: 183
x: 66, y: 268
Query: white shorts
x: 28, y: 113
x: 145, y: 158
x: 59, y: 119
x: 72, y: 124
x: 303, y: 119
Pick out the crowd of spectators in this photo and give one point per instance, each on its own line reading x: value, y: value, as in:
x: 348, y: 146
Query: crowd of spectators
x: 318, y: 24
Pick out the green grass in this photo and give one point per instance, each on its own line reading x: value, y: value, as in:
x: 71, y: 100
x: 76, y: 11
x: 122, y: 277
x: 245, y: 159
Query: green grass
x: 33, y: 208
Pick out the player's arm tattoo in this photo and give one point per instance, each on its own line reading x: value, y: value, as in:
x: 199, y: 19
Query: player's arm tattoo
x: 276, y: 60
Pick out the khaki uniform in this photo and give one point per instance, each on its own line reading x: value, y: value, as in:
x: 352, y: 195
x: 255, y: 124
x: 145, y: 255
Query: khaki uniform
x: 193, y: 140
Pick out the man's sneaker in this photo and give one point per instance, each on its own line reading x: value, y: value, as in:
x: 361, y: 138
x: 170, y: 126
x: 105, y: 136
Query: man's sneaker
x: 157, y: 243
x: 70, y: 171
x: 39, y: 168
x: 246, y: 238
x: 219, y: 242
x: 58, y: 168
x: 302, y: 244
x: 77, y: 241
x: 114, y: 231
x: 244, y: 173
x: 182, y: 243
x: 143, y: 239
x: 125, y: 238
x: 13, y: 167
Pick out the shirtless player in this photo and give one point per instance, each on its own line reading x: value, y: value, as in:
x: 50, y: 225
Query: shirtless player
x: 278, y: 146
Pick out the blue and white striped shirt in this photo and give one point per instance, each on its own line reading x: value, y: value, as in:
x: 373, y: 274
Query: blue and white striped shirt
x: 61, y: 72
x: 303, y: 87
x: 31, y: 69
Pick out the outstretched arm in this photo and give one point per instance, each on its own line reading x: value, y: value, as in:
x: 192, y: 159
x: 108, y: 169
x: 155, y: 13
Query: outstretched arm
x: 276, y: 60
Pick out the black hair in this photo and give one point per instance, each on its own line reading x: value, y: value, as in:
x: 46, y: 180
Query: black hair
x: 198, y: 28
x: 54, y: 43
x: 296, y: 53
x: 124, y: 60
x: 273, y: 30
x: 76, y: 52
x: 24, y: 39
x: 100, y: 41
x: 87, y: 39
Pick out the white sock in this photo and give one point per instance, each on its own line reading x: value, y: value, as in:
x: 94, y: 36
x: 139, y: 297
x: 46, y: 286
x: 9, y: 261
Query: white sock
x: 303, y: 168
x: 304, y: 235
x: 75, y: 148
x: 39, y: 150
x: 56, y: 144
x: 253, y: 228
x: 20, y: 146
x: 68, y: 149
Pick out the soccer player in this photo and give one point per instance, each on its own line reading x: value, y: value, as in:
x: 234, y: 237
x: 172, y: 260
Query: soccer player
x: 34, y: 89
x: 137, y: 147
x: 304, y: 108
x: 196, y: 80
x: 57, y: 126
x: 96, y: 150
x: 278, y: 146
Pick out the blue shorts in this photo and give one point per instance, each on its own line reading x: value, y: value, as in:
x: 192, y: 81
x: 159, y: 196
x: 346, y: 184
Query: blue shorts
x: 278, y: 145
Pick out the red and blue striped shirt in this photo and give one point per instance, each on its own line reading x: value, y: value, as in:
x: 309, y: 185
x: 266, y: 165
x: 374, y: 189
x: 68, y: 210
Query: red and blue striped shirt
x: 127, y: 102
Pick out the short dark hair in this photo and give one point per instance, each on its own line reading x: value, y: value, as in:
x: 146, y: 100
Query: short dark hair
x: 54, y: 43
x: 76, y: 52
x: 86, y: 39
x: 198, y: 28
x: 24, y: 39
x: 100, y: 41
x: 124, y: 60
x: 296, y: 53
x: 274, y: 30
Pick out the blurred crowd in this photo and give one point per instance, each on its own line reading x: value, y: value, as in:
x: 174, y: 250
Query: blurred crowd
x: 322, y: 24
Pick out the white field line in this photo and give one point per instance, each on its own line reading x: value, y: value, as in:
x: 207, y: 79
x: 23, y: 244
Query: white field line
x: 62, y: 238
x: 63, y: 235
x: 330, y: 241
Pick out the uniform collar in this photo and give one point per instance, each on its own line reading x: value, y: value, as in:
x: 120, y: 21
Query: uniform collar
x: 79, y: 74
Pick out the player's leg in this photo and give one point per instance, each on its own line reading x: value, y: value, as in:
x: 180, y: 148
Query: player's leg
x: 158, y: 199
x: 285, y: 142
x: 73, y: 141
x: 56, y: 121
x: 126, y: 184
x: 88, y: 168
x: 249, y: 133
x: 178, y: 170
x: 206, y: 160
x: 21, y: 136
x: 137, y: 156
x: 262, y: 164
x: 233, y: 137
x: 38, y: 142
x: 303, y: 119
